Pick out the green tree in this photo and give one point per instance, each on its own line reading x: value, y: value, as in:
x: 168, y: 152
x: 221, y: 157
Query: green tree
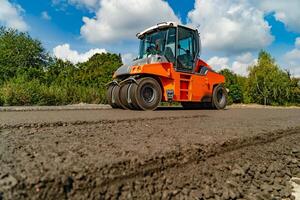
x: 235, y: 94
x: 242, y: 81
x: 19, y: 53
x: 98, y: 70
x: 268, y: 84
x: 60, y: 71
x: 295, y: 91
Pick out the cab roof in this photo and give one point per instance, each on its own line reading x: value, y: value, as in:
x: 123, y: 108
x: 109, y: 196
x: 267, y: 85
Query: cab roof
x: 162, y: 25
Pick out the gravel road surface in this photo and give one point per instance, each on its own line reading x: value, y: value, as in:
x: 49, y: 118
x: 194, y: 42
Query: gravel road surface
x: 238, y: 153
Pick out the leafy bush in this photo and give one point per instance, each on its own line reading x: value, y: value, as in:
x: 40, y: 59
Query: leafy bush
x: 295, y: 91
x: 20, y: 91
x: 235, y: 94
x: 1, y: 99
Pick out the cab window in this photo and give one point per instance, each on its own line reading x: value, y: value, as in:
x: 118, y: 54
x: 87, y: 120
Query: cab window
x: 186, y: 49
x: 170, y: 45
x: 202, y: 70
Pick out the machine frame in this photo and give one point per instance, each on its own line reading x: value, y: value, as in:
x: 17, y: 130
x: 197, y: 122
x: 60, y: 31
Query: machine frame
x: 193, y: 88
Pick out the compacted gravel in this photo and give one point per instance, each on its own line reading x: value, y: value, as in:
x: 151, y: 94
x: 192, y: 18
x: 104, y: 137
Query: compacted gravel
x: 239, y: 153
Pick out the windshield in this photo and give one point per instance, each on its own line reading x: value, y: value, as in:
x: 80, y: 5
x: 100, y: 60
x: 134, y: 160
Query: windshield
x: 161, y: 42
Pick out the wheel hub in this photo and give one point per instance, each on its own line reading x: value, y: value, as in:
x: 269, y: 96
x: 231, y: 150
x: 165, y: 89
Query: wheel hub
x: 148, y: 94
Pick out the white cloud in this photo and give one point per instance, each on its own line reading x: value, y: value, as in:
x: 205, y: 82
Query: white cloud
x: 297, y: 42
x: 127, y: 58
x: 245, y: 57
x: 285, y: 11
x: 61, y: 4
x: 120, y: 20
x: 65, y: 53
x: 239, y: 65
x: 293, y: 56
x: 218, y: 63
x: 242, y: 62
x: 293, y: 59
x: 45, y: 15
x: 91, y: 5
x: 10, y: 16
x: 230, y: 26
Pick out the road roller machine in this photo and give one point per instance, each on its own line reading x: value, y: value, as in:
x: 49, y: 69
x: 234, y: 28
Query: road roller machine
x: 167, y: 69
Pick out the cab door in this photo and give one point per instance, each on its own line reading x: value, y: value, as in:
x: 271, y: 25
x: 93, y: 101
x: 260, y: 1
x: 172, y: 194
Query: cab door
x: 186, y: 50
x: 186, y: 56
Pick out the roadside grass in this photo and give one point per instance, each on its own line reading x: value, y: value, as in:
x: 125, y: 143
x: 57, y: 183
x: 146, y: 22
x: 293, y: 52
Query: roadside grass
x: 18, y: 92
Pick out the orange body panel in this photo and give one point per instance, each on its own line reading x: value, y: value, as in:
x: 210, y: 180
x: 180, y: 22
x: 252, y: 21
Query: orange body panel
x: 186, y: 86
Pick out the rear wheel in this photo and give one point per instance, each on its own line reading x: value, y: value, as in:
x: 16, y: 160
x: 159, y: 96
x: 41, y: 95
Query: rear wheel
x: 146, y: 94
x: 219, y: 98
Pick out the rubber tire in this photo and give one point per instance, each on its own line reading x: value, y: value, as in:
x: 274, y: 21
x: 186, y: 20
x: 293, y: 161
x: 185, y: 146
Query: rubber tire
x: 132, y: 95
x: 216, y: 104
x: 136, y: 97
x: 124, y: 96
x: 116, y: 96
x: 109, y: 96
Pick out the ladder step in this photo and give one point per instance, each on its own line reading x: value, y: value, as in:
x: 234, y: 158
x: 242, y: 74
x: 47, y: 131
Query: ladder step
x: 186, y: 80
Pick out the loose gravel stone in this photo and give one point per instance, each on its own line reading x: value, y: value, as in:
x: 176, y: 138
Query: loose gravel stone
x: 233, y: 154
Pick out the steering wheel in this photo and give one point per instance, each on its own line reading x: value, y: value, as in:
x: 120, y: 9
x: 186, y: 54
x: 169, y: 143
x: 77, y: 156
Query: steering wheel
x: 187, y: 51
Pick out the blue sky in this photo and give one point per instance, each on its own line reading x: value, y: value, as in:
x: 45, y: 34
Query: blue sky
x: 232, y: 31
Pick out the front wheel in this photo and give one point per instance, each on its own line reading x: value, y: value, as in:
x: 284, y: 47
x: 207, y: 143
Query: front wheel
x: 146, y: 94
x: 125, y: 96
x: 116, y: 97
x: 109, y: 95
x: 219, y: 98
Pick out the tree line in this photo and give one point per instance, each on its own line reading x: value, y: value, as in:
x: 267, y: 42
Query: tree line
x: 266, y: 84
x: 30, y: 76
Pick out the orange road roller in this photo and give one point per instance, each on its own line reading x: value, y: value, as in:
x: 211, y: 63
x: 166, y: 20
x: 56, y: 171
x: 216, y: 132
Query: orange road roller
x: 168, y: 69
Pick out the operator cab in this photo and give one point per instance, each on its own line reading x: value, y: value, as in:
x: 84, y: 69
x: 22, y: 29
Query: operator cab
x: 179, y: 44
